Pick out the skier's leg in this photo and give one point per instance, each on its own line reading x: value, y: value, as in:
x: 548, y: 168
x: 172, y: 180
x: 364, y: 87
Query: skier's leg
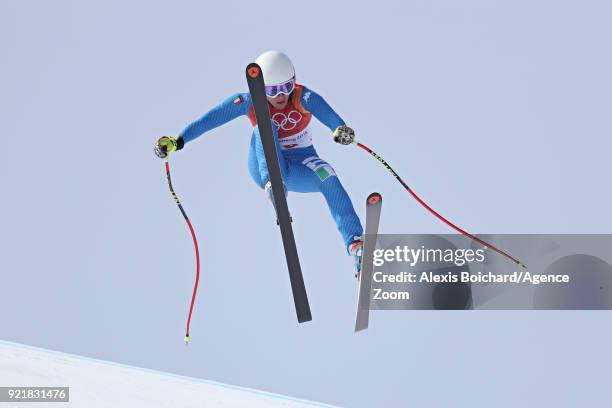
x: 311, y: 173
x: 253, y: 164
x: 260, y: 160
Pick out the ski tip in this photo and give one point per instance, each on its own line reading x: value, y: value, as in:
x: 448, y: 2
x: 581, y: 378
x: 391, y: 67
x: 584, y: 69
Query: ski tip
x: 186, y: 339
x: 253, y: 70
x: 522, y: 265
x: 374, y: 198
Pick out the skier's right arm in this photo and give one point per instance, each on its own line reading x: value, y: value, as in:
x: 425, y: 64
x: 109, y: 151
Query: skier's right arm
x: 234, y: 106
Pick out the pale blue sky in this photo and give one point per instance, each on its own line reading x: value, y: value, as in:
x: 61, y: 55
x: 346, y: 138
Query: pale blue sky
x: 496, y: 112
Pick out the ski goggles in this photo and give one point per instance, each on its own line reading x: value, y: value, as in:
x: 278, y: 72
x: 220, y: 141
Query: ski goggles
x: 284, y: 88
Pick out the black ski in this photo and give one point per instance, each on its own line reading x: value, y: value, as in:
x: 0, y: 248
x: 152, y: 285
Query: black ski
x: 373, y: 207
x: 262, y: 114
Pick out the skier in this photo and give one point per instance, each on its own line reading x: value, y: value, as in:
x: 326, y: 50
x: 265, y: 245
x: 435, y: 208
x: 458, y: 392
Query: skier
x: 291, y: 108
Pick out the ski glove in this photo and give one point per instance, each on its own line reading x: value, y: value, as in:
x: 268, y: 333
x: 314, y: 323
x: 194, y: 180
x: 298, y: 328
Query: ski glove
x: 344, y: 135
x: 168, y: 144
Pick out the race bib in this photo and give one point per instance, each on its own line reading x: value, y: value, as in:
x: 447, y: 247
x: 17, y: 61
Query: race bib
x: 300, y: 139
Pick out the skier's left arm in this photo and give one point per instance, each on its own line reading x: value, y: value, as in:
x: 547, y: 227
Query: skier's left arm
x: 315, y: 104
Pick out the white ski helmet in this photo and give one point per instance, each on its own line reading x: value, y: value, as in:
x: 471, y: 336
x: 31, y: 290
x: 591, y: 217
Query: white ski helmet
x: 276, y: 66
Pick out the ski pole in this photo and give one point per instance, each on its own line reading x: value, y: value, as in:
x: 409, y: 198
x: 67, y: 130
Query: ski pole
x: 434, y: 212
x: 195, y: 244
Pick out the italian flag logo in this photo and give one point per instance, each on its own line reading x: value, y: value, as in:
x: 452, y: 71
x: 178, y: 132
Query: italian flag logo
x: 320, y: 167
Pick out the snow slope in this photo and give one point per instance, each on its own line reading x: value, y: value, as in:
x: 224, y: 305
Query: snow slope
x: 96, y: 383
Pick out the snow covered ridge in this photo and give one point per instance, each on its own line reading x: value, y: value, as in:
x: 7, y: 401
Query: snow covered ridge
x: 102, y: 384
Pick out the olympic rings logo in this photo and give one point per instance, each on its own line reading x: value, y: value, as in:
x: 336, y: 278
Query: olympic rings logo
x: 287, y: 122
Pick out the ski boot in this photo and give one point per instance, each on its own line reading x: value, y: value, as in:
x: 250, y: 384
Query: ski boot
x: 268, y: 192
x: 355, y: 249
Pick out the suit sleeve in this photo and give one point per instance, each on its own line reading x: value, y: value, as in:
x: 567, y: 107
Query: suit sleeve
x: 315, y: 104
x: 233, y: 107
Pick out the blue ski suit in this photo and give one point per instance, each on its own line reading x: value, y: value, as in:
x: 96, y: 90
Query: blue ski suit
x: 302, y: 169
